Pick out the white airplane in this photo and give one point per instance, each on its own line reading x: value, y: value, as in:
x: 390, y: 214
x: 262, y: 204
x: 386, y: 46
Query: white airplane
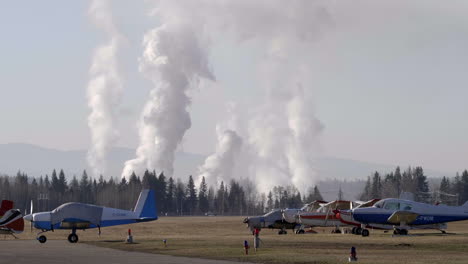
x: 318, y: 213
x: 347, y: 218
x: 404, y: 214
x: 77, y: 216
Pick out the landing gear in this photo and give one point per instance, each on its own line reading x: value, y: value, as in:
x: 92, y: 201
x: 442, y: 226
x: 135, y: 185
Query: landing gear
x: 42, y: 239
x: 358, y: 231
x: 365, y: 232
x: 353, y: 231
x: 336, y: 231
x: 282, y: 232
x: 402, y: 232
x: 300, y: 231
x: 73, y: 238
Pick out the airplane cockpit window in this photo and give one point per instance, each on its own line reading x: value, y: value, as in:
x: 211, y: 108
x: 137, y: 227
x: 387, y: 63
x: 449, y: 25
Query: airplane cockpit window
x: 392, y: 206
x: 405, y: 207
x: 379, y: 204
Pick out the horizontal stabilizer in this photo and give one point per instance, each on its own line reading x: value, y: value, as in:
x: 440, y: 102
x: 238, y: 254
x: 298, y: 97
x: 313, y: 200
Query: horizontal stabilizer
x: 402, y: 216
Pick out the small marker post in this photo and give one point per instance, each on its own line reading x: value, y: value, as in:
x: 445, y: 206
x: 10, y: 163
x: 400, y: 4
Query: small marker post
x: 246, y: 247
x: 129, y: 237
x: 165, y: 242
x: 352, y: 255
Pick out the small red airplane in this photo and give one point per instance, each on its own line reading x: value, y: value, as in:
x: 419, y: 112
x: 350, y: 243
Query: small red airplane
x: 11, y: 220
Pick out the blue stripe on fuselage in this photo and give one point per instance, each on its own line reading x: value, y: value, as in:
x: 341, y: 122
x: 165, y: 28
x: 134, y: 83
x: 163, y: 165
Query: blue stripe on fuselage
x: 421, y: 220
x: 46, y: 224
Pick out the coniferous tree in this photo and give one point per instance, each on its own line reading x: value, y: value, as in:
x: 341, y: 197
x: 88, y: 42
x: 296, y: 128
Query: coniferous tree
x: 171, y: 206
x: 366, y: 194
x: 191, y: 200
x: 203, y: 204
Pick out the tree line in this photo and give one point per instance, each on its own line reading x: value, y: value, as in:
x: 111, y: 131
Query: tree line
x: 413, y: 180
x: 173, y: 196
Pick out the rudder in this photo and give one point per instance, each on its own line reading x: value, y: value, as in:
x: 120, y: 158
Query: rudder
x: 146, y: 205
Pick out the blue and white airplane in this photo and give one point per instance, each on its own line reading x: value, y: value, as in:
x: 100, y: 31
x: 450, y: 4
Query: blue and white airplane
x: 404, y: 214
x: 77, y: 216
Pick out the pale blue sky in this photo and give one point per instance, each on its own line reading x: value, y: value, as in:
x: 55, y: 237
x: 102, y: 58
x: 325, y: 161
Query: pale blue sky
x: 390, y: 79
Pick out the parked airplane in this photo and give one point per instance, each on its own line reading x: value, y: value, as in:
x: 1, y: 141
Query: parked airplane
x: 76, y: 216
x: 11, y: 220
x: 273, y: 219
x: 405, y: 214
x: 347, y: 218
x: 291, y: 215
x: 323, y: 216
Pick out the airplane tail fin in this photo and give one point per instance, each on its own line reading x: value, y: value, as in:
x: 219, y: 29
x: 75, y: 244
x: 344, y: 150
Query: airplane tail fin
x: 145, y: 208
x: 465, y: 204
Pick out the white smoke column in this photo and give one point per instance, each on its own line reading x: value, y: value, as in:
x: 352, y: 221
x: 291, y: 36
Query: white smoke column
x: 220, y: 166
x: 172, y: 60
x: 104, y: 89
x: 304, y: 145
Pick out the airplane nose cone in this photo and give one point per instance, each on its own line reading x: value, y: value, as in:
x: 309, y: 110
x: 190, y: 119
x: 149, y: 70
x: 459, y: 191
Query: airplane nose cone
x: 28, y: 217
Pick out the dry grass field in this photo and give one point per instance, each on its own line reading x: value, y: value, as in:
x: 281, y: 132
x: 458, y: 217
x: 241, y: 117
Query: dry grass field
x: 222, y: 238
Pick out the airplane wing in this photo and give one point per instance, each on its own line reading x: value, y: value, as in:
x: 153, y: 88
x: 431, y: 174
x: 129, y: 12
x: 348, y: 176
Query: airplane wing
x: 402, y: 216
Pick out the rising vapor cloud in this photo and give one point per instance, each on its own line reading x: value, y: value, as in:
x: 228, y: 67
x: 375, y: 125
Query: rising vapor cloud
x: 282, y: 132
x: 173, y: 60
x: 104, y: 91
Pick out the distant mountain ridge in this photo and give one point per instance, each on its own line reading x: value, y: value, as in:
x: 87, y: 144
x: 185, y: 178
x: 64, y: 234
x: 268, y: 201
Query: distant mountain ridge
x: 36, y: 161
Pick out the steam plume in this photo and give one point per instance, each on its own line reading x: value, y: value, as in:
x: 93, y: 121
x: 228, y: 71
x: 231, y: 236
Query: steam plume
x: 104, y: 89
x: 172, y: 60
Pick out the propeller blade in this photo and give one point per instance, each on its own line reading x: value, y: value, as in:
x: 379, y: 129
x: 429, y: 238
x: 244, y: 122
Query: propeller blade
x: 31, y: 207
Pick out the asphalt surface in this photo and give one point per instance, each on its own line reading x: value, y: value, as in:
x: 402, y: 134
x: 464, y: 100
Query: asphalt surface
x: 61, y: 251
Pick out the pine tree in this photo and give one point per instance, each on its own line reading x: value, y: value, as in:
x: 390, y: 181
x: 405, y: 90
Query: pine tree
x: 366, y: 193
x: 170, y: 198
x: 191, y: 196
x: 203, y: 204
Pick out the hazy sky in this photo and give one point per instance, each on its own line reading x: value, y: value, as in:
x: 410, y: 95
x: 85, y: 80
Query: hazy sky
x: 390, y: 79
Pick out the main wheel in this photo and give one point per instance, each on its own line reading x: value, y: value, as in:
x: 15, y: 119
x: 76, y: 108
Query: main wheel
x: 73, y: 238
x: 353, y: 231
x: 396, y: 232
x: 42, y: 239
x: 404, y: 232
x: 365, y: 232
x: 358, y: 231
x: 300, y: 231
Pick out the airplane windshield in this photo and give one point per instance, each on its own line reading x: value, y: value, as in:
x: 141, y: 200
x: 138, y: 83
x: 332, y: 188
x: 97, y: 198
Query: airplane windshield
x: 379, y: 204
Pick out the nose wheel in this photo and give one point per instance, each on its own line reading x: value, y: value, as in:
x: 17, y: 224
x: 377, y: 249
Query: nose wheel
x: 72, y: 238
x: 42, y: 239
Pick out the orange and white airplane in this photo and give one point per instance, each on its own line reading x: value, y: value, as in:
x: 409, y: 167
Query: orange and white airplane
x: 11, y: 220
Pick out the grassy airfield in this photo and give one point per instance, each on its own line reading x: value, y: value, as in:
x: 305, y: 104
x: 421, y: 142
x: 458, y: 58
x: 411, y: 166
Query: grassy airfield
x: 222, y: 238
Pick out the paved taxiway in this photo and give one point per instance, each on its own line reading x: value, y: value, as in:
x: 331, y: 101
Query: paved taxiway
x: 61, y: 251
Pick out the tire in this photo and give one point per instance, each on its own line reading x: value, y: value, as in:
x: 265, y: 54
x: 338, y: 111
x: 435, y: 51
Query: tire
x: 365, y: 232
x: 42, y: 239
x: 301, y: 231
x: 353, y: 231
x: 396, y: 232
x: 358, y: 231
x: 404, y: 232
x: 72, y: 238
